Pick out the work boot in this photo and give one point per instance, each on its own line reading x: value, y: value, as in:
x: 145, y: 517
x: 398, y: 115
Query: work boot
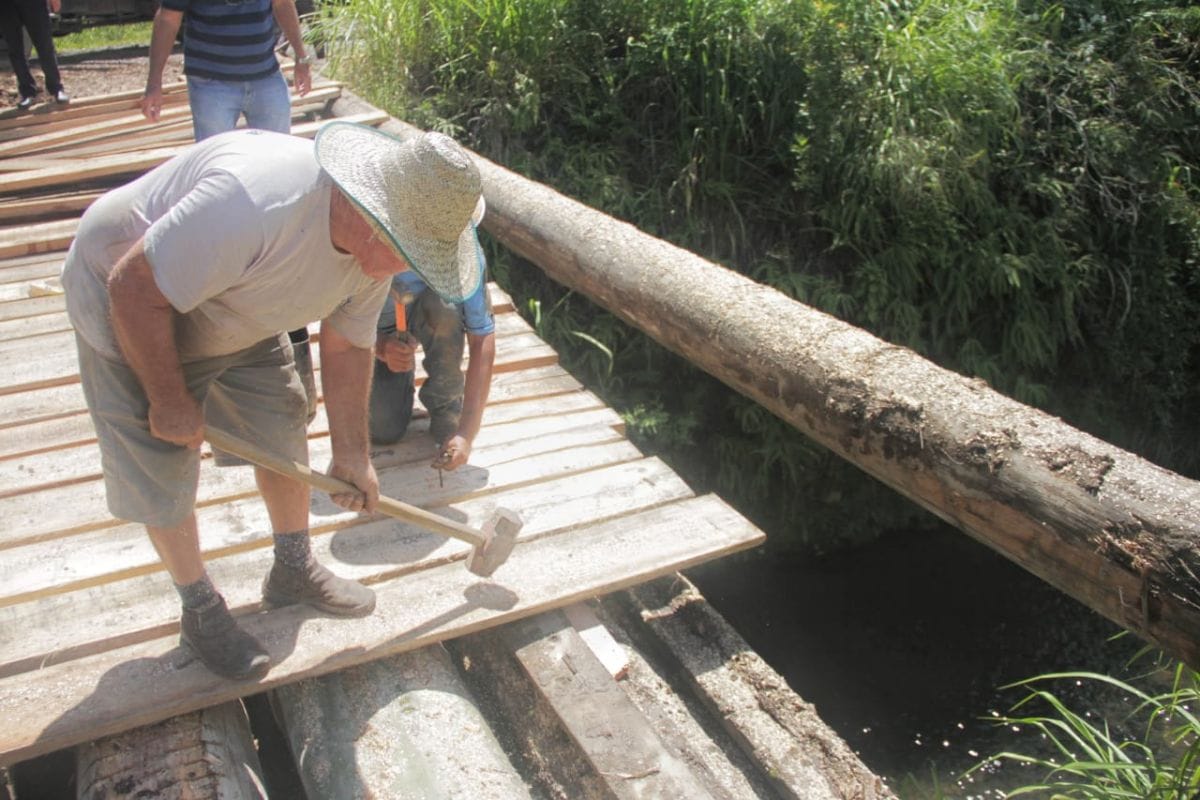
x: 316, y: 586
x: 214, y: 635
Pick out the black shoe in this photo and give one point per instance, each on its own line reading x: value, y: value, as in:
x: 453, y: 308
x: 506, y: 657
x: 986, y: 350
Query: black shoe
x: 316, y: 586
x: 214, y: 635
x: 24, y: 103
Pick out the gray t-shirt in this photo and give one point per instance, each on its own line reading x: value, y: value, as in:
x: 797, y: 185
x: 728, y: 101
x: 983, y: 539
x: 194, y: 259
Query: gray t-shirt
x: 237, y: 233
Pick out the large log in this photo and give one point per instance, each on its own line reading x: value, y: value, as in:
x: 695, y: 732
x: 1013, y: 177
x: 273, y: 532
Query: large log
x: 1103, y: 525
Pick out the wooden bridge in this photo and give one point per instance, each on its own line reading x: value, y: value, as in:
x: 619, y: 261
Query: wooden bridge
x: 455, y: 687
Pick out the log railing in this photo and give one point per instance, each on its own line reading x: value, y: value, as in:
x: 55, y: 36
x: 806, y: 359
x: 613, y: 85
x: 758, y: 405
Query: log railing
x: 1110, y: 529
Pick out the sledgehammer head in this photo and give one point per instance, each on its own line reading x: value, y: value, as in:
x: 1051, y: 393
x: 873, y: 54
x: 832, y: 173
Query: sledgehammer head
x: 500, y: 535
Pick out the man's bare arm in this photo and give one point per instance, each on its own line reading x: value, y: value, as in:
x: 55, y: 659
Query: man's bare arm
x: 144, y: 323
x: 346, y: 383
x: 480, y: 361
x: 162, y: 40
x: 289, y: 23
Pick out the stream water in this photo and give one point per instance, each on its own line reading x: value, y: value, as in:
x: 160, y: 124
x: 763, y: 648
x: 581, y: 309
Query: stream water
x: 902, y: 646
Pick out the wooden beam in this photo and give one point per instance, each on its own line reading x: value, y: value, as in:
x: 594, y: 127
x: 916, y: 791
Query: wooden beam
x: 66, y: 704
x: 400, y: 722
x: 799, y: 754
x: 43, y: 237
x: 1112, y: 530
x: 611, y: 735
x: 208, y: 753
x: 32, y: 208
x: 83, y: 107
x: 126, y: 164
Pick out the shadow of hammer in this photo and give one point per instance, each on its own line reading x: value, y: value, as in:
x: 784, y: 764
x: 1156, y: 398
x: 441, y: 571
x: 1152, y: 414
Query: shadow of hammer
x: 490, y: 546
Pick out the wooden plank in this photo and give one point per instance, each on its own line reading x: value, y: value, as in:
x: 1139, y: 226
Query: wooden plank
x: 40, y: 325
x: 127, y: 610
x: 39, y: 238
x: 35, y: 162
x: 85, y: 107
x: 66, y: 704
x: 598, y: 639
x: 53, y: 512
x: 35, y: 266
x: 208, y: 753
x: 101, y: 167
x: 72, y: 427
x: 400, y: 722
x: 14, y: 308
x: 32, y: 407
x: 240, y: 522
x: 38, y: 364
x: 41, y: 207
x: 128, y: 127
x: 620, y: 745
x: 126, y: 164
x: 55, y: 467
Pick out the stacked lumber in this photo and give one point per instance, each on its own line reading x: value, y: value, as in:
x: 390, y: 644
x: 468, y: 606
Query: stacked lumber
x: 88, y: 620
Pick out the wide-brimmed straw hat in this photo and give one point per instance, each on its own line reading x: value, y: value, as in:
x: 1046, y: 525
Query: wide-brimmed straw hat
x: 423, y: 193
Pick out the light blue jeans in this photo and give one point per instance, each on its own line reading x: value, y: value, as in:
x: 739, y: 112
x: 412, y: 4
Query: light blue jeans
x: 216, y: 105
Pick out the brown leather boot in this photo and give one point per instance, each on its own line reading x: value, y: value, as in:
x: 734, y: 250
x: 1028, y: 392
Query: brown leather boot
x: 215, y: 637
x: 316, y: 586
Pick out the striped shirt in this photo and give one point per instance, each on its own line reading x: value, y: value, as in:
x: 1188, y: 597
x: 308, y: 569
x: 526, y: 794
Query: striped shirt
x: 227, y: 40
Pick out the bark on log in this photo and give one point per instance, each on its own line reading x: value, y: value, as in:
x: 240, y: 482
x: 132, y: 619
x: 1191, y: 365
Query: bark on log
x: 1110, y: 529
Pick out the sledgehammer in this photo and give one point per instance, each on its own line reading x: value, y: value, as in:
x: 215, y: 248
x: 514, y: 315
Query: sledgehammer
x: 490, y: 546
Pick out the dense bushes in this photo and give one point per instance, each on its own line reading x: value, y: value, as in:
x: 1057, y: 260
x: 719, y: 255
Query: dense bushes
x: 1008, y: 187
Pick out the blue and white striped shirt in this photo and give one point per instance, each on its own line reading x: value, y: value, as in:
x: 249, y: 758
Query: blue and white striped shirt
x: 227, y: 40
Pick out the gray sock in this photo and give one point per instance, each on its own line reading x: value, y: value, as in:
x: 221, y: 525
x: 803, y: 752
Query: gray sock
x: 293, y: 549
x: 200, y: 594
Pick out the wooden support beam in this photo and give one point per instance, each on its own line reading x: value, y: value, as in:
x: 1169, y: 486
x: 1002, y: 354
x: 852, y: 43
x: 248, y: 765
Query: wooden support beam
x: 208, y: 753
x: 802, y: 757
x: 623, y: 751
x: 393, y: 728
x: 1112, y: 530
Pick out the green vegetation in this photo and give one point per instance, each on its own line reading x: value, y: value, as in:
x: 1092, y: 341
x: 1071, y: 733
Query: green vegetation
x: 125, y: 35
x: 1083, y: 757
x: 1008, y: 187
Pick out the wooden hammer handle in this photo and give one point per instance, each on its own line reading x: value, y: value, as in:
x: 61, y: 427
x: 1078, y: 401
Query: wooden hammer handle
x: 327, y: 483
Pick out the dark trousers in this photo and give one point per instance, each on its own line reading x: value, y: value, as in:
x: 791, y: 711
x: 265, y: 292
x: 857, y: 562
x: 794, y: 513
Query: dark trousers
x: 34, y: 17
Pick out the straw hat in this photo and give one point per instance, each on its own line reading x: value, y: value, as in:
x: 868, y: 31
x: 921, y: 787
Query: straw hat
x: 423, y: 192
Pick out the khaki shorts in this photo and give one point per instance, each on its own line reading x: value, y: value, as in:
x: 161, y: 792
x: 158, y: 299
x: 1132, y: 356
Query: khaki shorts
x: 255, y: 394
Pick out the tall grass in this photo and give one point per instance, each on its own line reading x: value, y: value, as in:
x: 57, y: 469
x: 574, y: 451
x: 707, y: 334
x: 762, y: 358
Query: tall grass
x: 1008, y: 187
x: 1153, y: 753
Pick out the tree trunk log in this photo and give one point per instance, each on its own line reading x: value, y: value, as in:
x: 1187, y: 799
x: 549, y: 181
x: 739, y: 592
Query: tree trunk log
x: 1110, y: 529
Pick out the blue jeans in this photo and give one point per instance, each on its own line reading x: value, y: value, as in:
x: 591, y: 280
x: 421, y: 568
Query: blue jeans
x: 438, y: 326
x: 216, y: 105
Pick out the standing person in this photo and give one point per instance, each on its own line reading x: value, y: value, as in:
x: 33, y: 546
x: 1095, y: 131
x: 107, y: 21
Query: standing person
x: 438, y: 323
x: 173, y: 285
x: 33, y: 16
x: 229, y: 60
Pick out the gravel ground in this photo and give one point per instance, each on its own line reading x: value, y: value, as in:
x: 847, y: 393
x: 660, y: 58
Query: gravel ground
x: 93, y: 73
